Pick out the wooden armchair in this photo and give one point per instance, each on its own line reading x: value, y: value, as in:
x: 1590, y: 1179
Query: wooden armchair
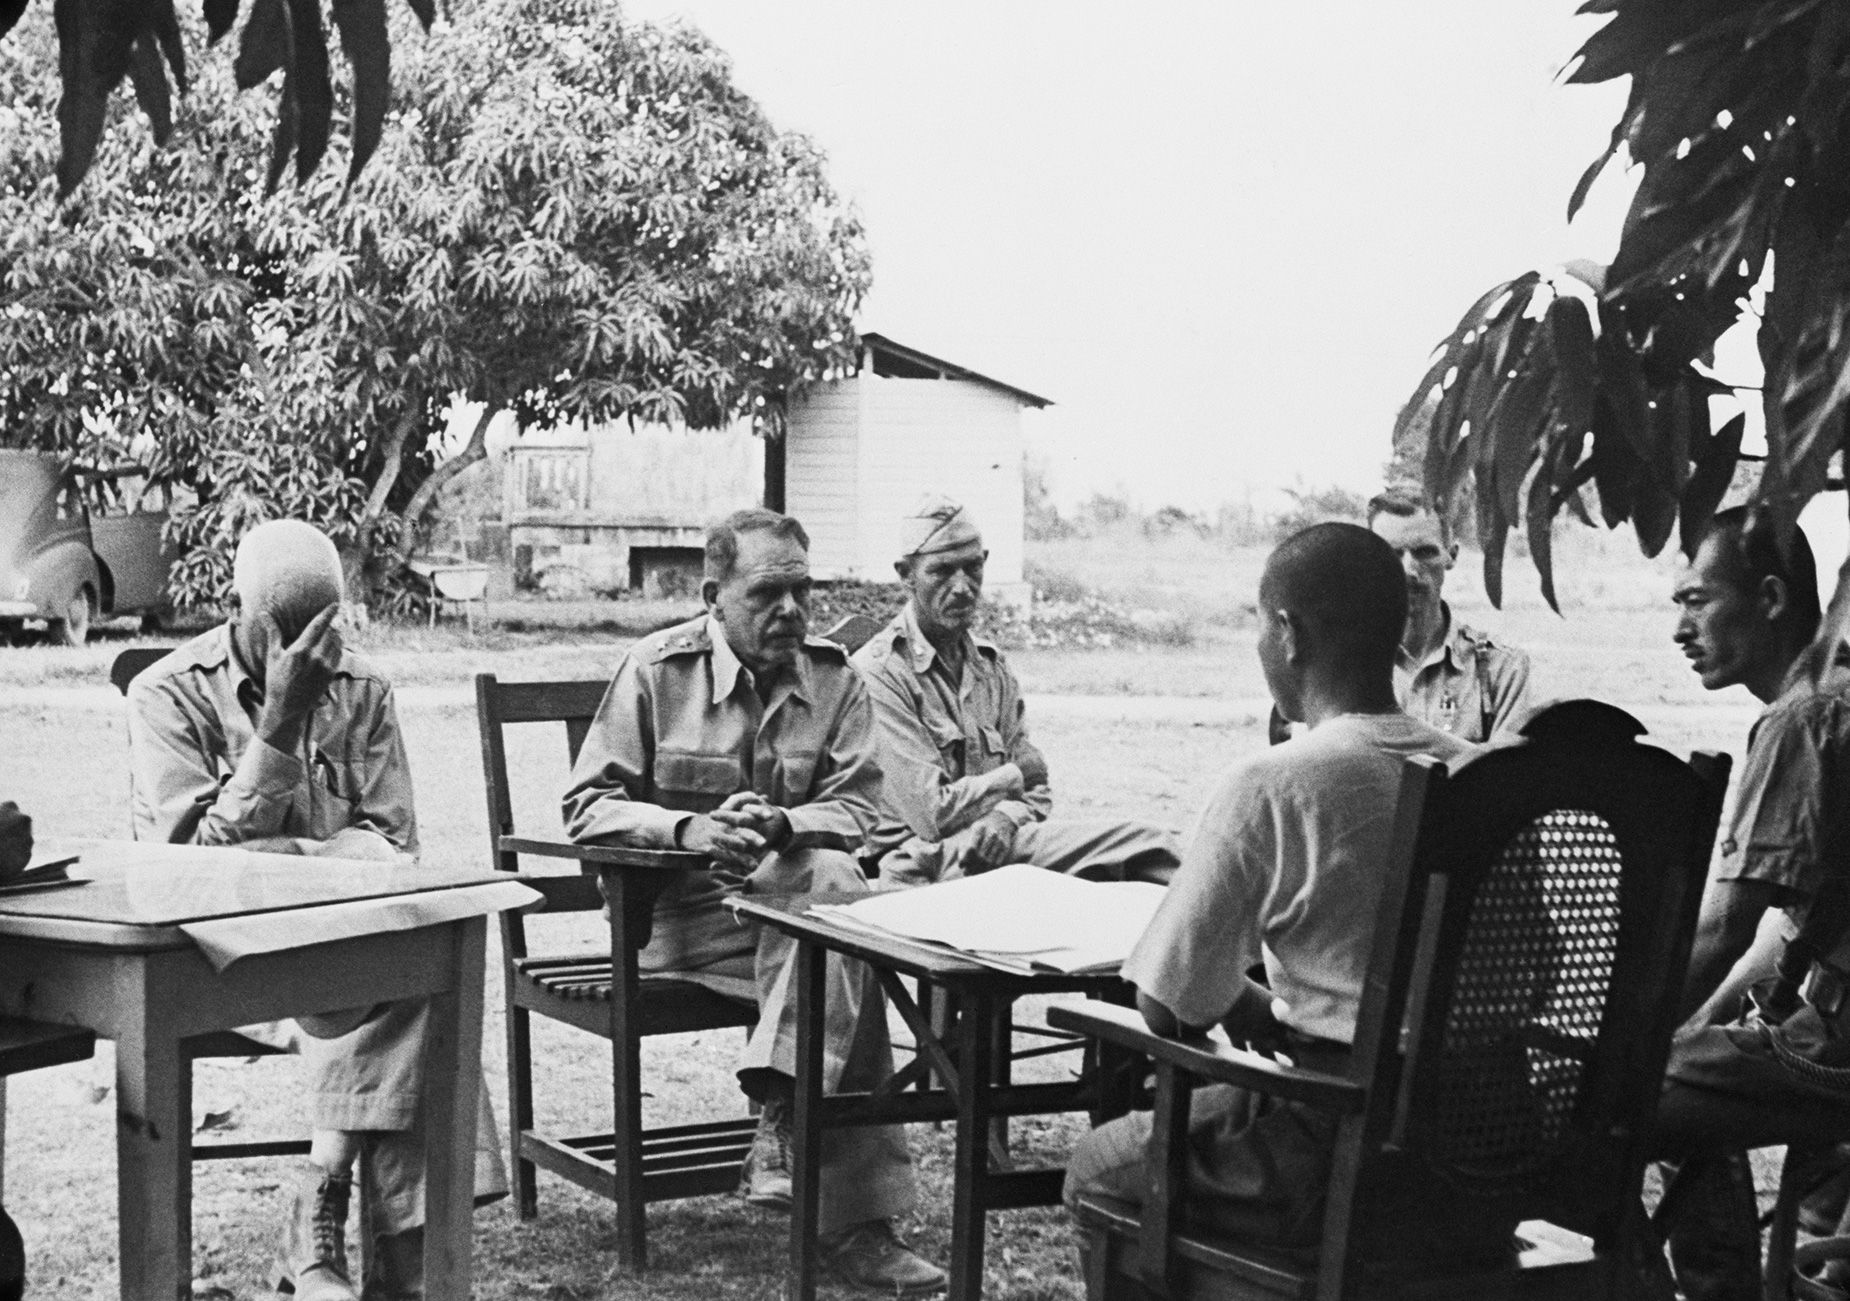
x: 29, y: 1046
x: 600, y: 993
x: 1513, y: 1031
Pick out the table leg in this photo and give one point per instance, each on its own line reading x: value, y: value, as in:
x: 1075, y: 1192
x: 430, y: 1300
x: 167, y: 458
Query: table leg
x: 154, y: 1112
x: 806, y: 1123
x: 976, y: 1063
x: 452, y: 1077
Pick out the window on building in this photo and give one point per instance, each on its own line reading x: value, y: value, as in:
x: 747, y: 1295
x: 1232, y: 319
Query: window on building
x: 551, y: 479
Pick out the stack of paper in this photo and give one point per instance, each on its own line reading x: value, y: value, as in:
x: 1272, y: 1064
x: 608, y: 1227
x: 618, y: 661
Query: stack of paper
x: 1018, y: 918
x: 48, y: 869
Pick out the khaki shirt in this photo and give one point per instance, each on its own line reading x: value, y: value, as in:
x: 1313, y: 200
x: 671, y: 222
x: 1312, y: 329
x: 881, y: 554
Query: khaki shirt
x: 950, y: 747
x: 1789, y: 825
x: 200, y: 775
x: 682, y: 727
x: 1469, y: 686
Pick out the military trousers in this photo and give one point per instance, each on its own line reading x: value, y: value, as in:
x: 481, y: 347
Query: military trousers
x: 866, y: 1170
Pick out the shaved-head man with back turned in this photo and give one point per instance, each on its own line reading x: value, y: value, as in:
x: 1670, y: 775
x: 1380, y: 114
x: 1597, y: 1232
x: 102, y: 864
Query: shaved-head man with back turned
x: 267, y: 734
x: 1285, y: 867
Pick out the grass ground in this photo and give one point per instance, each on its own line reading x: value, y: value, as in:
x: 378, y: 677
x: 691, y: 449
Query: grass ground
x: 63, y: 757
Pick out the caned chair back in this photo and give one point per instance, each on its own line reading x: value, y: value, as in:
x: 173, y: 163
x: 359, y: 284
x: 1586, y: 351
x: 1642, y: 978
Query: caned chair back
x: 1517, y: 1035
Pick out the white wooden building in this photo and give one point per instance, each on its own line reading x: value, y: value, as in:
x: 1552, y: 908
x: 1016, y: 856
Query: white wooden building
x: 860, y: 452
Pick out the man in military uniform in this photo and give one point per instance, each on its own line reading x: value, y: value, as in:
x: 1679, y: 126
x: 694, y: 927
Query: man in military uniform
x: 267, y: 734
x: 1765, y: 1057
x: 1448, y: 674
x: 738, y: 736
x: 965, y: 788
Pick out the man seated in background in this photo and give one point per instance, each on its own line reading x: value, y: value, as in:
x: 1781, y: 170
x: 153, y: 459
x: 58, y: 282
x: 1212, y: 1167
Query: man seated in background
x: 737, y: 736
x: 266, y: 734
x: 1285, y: 867
x: 1767, y: 1045
x: 1447, y: 673
x: 965, y: 788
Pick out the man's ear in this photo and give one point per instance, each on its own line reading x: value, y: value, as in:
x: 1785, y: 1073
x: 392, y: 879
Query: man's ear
x: 709, y: 592
x: 1290, y: 636
x: 1775, y: 598
x: 1451, y: 554
x: 904, y: 569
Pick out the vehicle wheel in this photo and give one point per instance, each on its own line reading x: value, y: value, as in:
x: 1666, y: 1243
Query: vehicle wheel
x: 74, y: 628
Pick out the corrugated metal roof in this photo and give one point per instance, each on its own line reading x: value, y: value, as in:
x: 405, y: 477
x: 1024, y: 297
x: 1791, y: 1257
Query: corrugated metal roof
x: 903, y: 362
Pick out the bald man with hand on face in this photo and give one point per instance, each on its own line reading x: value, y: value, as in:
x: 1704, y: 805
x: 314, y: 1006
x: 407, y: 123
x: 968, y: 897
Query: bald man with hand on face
x: 267, y: 734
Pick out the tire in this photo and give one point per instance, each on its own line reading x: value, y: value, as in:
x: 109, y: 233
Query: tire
x: 74, y: 628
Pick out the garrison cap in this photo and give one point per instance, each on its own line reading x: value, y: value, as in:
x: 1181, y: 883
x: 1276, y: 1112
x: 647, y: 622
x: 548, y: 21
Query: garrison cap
x: 936, y: 524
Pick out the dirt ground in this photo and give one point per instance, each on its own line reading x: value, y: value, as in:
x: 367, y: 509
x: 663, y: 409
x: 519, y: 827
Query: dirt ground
x: 63, y: 757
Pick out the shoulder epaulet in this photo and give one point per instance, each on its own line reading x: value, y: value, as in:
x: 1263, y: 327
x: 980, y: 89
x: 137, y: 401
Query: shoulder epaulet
x: 826, y: 649
x: 685, y: 639
x: 882, y: 642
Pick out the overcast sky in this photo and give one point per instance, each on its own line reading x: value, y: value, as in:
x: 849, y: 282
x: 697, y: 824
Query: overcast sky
x: 1221, y: 235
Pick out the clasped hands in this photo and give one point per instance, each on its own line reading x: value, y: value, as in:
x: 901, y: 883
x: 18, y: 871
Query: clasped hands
x: 741, y: 831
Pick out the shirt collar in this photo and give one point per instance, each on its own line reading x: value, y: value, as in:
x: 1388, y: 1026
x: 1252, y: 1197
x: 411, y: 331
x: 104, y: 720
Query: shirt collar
x: 1451, y: 645
x: 243, y: 685
x: 727, y: 669
x: 919, y: 650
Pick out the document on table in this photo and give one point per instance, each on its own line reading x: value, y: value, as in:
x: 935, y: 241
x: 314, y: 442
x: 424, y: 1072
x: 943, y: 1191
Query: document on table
x: 1018, y: 918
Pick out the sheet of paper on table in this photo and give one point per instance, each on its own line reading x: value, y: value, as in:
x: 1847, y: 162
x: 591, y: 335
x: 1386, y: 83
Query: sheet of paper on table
x: 1019, y: 918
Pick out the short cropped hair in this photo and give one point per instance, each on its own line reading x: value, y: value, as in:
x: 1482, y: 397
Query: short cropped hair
x: 1750, y: 542
x: 1404, y: 501
x: 1347, y: 586
x: 722, y: 553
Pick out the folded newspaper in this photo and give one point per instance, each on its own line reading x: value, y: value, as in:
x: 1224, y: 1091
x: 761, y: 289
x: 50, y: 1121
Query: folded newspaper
x: 1016, y: 918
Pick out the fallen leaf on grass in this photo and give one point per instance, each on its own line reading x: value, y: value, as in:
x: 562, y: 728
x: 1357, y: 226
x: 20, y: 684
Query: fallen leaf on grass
x: 217, y: 1122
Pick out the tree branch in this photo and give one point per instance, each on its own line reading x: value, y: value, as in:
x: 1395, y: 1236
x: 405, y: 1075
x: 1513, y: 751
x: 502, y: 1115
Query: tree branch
x: 476, y: 449
x: 393, y: 460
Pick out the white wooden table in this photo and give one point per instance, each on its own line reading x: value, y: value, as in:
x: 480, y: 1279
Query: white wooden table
x: 109, y: 955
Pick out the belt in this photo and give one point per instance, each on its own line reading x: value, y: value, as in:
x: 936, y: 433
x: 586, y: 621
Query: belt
x: 1315, y: 1053
x: 1827, y: 992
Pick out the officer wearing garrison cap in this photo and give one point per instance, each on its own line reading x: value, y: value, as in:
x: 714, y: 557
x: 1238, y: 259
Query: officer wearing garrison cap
x: 965, y: 788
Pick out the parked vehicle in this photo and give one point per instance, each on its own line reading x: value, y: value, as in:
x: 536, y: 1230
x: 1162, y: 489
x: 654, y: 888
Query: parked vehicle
x: 79, y: 542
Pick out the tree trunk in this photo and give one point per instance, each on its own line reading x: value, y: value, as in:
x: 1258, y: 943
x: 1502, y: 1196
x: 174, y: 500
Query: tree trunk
x: 474, y: 450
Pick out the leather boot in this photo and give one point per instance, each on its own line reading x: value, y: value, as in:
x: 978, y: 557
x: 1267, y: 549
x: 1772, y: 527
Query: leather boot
x: 313, y: 1261
x: 396, y: 1270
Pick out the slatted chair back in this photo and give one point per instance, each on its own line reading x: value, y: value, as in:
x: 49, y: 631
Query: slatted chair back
x: 602, y: 993
x: 1516, y: 1017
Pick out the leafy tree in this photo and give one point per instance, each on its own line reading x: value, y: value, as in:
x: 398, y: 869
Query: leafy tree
x: 573, y: 217
x: 1739, y: 117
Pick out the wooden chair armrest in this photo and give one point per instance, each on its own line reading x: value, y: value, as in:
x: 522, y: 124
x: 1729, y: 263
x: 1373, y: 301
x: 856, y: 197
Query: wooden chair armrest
x: 1212, y: 1060
x: 29, y: 1045
x: 674, y: 860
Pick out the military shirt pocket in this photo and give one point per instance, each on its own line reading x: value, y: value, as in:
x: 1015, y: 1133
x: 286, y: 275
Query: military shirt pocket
x: 796, y: 773
x: 993, y: 744
x: 950, y: 743
x: 695, y: 781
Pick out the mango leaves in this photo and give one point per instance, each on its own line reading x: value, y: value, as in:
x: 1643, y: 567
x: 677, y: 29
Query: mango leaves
x: 101, y: 41
x: 1739, y: 115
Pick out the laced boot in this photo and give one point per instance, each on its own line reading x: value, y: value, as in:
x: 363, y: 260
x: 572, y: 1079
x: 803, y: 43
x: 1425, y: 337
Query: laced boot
x: 313, y: 1262
x: 765, y: 1180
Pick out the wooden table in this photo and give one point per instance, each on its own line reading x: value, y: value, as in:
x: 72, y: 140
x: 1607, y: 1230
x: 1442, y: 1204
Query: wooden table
x: 961, y: 1073
x: 109, y: 955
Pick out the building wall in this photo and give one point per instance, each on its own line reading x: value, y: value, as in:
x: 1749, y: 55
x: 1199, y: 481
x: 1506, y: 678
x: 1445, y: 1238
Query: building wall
x: 914, y: 436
